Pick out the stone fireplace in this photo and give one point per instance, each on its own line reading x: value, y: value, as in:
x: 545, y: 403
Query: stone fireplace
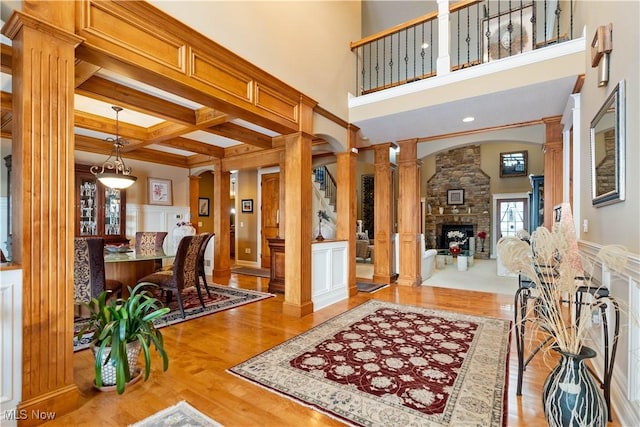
x: 458, y: 169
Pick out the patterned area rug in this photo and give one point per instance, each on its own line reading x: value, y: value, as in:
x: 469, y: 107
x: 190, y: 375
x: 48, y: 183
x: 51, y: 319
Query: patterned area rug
x: 389, y: 364
x: 179, y: 415
x: 222, y: 298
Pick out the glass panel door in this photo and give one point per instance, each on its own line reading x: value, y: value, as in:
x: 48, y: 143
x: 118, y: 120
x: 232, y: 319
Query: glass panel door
x: 512, y: 216
x: 88, y: 207
x: 112, y: 212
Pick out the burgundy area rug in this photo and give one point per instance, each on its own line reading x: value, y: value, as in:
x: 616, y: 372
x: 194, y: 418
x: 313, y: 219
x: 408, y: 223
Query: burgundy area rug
x: 396, y: 365
x: 222, y: 298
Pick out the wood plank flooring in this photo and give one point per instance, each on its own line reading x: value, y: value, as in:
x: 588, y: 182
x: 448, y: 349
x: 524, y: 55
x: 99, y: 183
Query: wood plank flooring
x: 202, y: 349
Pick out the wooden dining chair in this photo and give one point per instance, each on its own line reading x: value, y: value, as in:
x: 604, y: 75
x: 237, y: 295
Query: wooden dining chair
x: 88, y: 270
x: 184, y: 273
x: 201, y: 273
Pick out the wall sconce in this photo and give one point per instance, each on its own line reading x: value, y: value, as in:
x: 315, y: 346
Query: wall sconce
x: 114, y: 173
x: 601, y: 47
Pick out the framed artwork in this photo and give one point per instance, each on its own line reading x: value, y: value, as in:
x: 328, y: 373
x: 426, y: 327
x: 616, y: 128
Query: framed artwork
x: 455, y: 197
x: 203, y: 206
x: 247, y: 205
x: 160, y: 191
x: 507, y: 34
x: 513, y: 163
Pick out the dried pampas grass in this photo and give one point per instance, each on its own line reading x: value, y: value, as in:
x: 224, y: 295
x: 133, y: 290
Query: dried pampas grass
x: 551, y: 260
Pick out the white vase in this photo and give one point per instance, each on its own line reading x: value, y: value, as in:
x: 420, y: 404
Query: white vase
x: 180, y: 232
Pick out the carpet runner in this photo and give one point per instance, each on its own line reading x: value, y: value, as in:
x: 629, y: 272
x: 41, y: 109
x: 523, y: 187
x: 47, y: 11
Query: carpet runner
x: 222, y: 298
x: 383, y: 363
x: 181, y: 414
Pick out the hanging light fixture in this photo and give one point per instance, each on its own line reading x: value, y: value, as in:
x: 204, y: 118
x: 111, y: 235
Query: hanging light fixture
x: 114, y: 173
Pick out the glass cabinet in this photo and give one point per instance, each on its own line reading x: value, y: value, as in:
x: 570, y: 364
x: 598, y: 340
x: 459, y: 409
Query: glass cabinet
x: 536, y: 202
x: 100, y: 211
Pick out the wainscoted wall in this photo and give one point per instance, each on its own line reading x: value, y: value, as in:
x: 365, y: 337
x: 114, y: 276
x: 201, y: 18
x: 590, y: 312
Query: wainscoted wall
x: 625, y: 287
x: 11, y: 351
x: 329, y: 282
x: 163, y: 218
x: 458, y: 169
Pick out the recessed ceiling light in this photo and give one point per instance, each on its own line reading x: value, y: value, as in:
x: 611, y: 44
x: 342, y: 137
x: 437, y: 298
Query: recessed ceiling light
x: 468, y: 119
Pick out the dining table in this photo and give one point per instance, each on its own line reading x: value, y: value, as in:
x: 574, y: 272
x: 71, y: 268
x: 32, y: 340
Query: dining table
x: 129, y: 266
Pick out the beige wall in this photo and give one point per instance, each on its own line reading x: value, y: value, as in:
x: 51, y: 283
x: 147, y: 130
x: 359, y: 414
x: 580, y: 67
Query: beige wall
x: 612, y: 224
x: 206, y: 190
x: 247, y: 223
x: 303, y: 43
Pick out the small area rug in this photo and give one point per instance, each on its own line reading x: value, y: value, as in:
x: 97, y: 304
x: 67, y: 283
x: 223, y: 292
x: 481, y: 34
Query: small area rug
x: 388, y: 364
x: 248, y: 271
x: 179, y: 415
x: 222, y: 298
x: 369, y: 287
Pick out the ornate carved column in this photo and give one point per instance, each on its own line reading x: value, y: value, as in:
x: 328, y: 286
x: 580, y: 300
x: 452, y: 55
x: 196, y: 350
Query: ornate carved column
x: 553, y: 168
x: 221, y: 223
x: 383, y: 215
x: 409, y: 214
x: 43, y: 199
x: 346, y: 205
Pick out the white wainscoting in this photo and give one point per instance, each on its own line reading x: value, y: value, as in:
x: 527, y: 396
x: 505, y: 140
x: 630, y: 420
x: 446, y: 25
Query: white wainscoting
x: 329, y: 273
x: 625, y: 287
x: 11, y: 351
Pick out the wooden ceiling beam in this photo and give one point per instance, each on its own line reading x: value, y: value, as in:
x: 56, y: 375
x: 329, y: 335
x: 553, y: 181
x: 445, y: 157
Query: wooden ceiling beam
x: 105, y: 90
x: 98, y: 146
x: 194, y: 146
x: 6, y: 55
x: 6, y: 101
x: 239, y: 133
x: 131, y: 133
x: 83, y: 71
x: 207, y: 117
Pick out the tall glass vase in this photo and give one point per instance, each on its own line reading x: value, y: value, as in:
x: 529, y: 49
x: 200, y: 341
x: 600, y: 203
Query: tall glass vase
x: 571, y: 396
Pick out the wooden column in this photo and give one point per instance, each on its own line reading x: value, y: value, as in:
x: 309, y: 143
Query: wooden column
x: 383, y: 253
x: 43, y: 199
x: 221, y: 223
x: 553, y: 161
x: 408, y: 214
x: 297, y: 294
x: 346, y: 205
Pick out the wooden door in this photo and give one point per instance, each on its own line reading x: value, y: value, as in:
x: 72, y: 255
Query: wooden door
x: 270, y: 205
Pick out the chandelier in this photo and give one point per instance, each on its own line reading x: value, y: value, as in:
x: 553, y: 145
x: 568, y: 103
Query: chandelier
x: 114, y: 173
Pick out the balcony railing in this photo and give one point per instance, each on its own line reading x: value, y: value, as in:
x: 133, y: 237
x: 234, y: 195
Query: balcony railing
x: 478, y: 32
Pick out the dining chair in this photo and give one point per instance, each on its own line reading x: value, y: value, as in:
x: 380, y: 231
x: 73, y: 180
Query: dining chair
x: 201, y: 273
x: 150, y: 241
x: 88, y: 270
x: 184, y: 274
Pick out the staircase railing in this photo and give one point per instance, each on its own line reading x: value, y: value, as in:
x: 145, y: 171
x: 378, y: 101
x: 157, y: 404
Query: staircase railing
x: 480, y: 31
x: 327, y: 183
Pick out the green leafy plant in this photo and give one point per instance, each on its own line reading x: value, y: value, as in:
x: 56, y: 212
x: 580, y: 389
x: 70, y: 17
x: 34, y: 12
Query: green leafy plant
x: 117, y: 322
x: 323, y: 215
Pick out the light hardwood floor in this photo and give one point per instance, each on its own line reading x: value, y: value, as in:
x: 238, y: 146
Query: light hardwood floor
x: 202, y: 349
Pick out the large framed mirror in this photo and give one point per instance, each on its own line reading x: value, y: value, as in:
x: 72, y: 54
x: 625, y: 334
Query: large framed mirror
x: 608, y: 149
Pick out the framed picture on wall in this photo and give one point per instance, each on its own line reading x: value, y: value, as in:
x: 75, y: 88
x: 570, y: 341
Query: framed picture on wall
x: 160, y: 192
x: 247, y: 205
x: 513, y: 163
x: 203, y: 206
x: 455, y: 197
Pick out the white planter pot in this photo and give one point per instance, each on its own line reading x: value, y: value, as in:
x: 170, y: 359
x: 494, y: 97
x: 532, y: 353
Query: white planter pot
x: 109, y: 370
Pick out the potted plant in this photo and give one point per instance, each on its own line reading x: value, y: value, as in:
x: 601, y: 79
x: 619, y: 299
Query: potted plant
x: 558, y: 274
x: 322, y: 215
x: 121, y: 328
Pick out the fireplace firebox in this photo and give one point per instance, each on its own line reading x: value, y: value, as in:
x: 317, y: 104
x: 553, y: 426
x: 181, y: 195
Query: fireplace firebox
x: 467, y: 229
